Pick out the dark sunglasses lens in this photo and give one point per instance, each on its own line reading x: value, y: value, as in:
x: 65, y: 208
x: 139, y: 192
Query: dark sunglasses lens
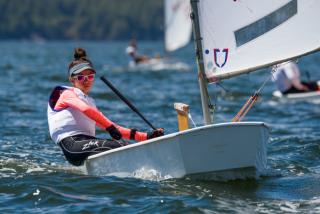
x: 90, y: 77
x: 80, y: 78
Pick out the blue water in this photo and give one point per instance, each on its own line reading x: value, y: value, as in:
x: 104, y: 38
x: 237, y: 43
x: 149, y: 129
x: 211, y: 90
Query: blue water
x: 35, y: 178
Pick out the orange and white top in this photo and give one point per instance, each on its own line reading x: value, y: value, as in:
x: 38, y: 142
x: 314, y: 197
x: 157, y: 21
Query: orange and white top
x: 71, y: 112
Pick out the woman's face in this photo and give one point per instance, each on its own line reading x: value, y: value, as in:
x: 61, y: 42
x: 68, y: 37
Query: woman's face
x: 84, y: 80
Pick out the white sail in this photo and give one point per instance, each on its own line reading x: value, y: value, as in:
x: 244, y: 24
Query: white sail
x: 240, y: 36
x: 178, y: 27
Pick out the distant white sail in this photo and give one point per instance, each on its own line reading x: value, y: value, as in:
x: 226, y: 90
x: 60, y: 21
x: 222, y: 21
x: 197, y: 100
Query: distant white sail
x: 178, y: 27
x: 240, y: 36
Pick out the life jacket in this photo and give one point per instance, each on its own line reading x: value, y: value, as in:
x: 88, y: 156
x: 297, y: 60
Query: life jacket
x: 68, y: 121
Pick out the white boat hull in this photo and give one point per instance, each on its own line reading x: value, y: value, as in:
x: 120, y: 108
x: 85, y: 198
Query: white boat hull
x: 306, y: 96
x: 197, y: 152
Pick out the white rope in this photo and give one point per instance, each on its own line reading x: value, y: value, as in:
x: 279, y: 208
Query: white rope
x: 189, y: 115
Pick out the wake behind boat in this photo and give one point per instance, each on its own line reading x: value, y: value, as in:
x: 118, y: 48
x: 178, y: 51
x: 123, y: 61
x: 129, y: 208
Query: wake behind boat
x: 158, y: 64
x: 154, y: 64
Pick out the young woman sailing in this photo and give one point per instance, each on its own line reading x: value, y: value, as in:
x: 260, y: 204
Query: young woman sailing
x: 73, y: 116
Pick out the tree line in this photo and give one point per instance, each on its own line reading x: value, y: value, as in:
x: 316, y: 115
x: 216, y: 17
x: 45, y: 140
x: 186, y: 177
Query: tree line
x: 81, y: 19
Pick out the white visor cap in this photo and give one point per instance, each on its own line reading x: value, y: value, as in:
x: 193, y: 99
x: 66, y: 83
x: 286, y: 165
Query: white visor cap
x: 80, y: 67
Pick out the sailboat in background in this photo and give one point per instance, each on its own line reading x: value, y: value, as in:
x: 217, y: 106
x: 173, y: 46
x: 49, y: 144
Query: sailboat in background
x: 177, y: 34
x: 232, y: 38
x: 178, y: 26
x: 310, y: 96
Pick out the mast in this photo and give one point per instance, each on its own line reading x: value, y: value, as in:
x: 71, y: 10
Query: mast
x: 164, y: 28
x: 201, y: 75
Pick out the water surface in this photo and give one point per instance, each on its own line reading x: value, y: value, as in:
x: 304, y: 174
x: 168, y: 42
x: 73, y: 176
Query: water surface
x: 35, y: 178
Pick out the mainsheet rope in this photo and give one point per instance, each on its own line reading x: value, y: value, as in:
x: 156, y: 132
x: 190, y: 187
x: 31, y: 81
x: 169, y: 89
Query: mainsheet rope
x: 244, y: 110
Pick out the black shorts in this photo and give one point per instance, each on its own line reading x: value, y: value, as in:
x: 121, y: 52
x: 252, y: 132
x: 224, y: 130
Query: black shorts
x: 77, y: 148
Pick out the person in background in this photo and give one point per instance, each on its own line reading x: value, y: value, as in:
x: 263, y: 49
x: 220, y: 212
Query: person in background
x: 73, y: 116
x: 132, y: 52
x: 287, y: 79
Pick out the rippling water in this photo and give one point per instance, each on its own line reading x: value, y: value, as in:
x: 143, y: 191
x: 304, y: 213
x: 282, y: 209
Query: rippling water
x: 34, y: 176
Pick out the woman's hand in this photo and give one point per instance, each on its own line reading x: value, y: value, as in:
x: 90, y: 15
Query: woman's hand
x: 114, y: 132
x: 155, y: 133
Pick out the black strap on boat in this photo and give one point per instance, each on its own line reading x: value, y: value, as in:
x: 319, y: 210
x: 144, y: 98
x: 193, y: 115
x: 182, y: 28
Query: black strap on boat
x: 133, y: 134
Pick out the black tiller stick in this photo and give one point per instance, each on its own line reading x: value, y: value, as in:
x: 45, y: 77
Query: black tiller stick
x: 133, y: 108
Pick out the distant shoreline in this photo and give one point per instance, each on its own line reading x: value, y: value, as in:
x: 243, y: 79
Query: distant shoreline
x: 78, y: 40
x: 82, y: 20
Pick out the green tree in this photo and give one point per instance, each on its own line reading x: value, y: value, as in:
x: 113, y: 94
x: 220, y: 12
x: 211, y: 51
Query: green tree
x: 81, y: 19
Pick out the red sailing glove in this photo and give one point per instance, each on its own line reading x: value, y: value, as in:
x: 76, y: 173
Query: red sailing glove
x: 155, y: 133
x: 114, y: 132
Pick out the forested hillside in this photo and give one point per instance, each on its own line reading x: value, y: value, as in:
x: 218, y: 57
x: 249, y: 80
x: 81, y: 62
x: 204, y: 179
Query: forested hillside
x: 81, y: 19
